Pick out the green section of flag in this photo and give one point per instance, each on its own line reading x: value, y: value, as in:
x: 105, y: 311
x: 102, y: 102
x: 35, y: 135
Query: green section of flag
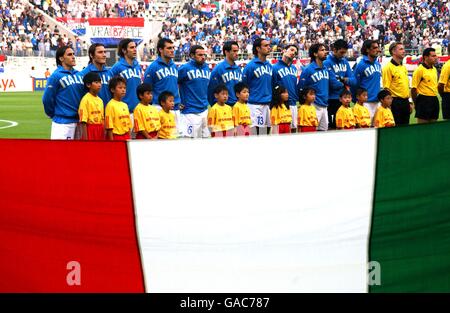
x: 410, y: 235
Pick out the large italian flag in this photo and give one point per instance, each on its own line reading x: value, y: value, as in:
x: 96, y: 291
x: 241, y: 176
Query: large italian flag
x: 348, y: 211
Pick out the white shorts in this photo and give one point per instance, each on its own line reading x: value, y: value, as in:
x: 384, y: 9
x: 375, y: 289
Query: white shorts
x: 322, y: 117
x: 260, y: 115
x: 64, y: 131
x: 195, y: 125
x: 372, y: 107
x: 294, y: 113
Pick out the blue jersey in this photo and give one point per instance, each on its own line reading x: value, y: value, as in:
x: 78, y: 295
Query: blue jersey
x: 132, y: 73
x: 163, y: 77
x: 368, y: 76
x: 62, y: 95
x: 193, y: 80
x: 258, y: 76
x: 321, y: 80
x: 105, y: 75
x: 341, y: 68
x: 286, y: 76
x: 224, y: 73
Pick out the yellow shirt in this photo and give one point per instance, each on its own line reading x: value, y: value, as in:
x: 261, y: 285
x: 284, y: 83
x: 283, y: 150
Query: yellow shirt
x: 345, y: 118
x: 168, y: 128
x: 445, y: 76
x: 425, y: 80
x: 395, y: 78
x: 307, y: 116
x: 280, y: 115
x: 384, y: 118
x: 146, y: 117
x: 220, y: 117
x: 91, y: 109
x: 117, y: 117
x: 362, y: 115
x: 241, y: 114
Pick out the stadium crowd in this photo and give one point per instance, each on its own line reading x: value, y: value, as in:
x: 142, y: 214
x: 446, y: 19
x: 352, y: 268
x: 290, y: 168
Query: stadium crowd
x: 24, y: 32
x: 417, y: 23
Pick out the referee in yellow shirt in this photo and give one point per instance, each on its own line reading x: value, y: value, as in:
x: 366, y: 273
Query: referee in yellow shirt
x: 395, y: 79
x: 444, y: 90
x: 424, y: 89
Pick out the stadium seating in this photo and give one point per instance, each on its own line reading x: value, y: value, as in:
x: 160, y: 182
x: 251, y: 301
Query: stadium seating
x: 418, y: 23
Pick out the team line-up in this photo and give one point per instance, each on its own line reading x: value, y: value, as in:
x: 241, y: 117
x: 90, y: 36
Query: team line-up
x: 191, y: 101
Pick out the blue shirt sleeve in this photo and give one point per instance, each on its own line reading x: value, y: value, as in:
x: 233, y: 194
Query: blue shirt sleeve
x: 213, y: 83
x: 334, y: 83
x: 49, y: 97
x: 351, y: 78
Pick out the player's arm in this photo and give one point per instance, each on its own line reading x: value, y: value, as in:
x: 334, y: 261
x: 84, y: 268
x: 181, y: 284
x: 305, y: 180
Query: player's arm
x: 443, y: 79
x: 417, y: 77
x: 211, y: 119
x: 83, y: 126
x: 350, y: 78
x: 302, y: 81
x: 334, y: 83
x: 339, y: 120
x: 48, y: 99
x: 386, y: 77
x: 213, y: 83
x: 109, y: 118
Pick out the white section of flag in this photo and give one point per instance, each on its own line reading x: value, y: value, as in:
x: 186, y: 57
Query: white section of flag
x: 255, y: 214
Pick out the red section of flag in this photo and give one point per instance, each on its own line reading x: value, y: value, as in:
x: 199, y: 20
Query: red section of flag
x: 132, y: 21
x: 64, y: 204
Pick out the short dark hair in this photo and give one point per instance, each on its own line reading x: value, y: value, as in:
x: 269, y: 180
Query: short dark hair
x: 142, y: 88
x: 163, y: 96
x: 257, y: 44
x: 228, y: 45
x: 345, y: 92
x: 161, y: 44
x: 303, y: 93
x: 314, y: 49
x: 427, y: 52
x: 367, y: 44
x: 113, y: 82
x: 239, y: 87
x: 219, y: 88
x: 383, y: 94
x: 393, y: 46
x: 360, y: 91
x: 340, y: 44
x: 194, y: 49
x: 60, y: 53
x: 91, y: 50
x: 123, y: 45
x: 290, y: 45
x: 91, y: 77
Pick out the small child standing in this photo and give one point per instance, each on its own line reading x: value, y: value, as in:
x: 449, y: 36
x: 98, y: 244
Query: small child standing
x: 361, y: 113
x: 117, y: 121
x: 168, y: 128
x: 146, y: 116
x: 307, y: 117
x: 91, y: 110
x: 220, y: 115
x: 344, y: 116
x: 280, y: 113
x: 383, y: 116
x: 241, y: 111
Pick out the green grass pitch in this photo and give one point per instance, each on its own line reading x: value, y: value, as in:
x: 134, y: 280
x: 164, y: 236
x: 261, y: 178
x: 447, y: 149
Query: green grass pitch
x: 26, y: 109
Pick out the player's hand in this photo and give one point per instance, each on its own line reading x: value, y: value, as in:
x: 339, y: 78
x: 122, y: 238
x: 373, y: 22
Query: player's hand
x: 411, y: 107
